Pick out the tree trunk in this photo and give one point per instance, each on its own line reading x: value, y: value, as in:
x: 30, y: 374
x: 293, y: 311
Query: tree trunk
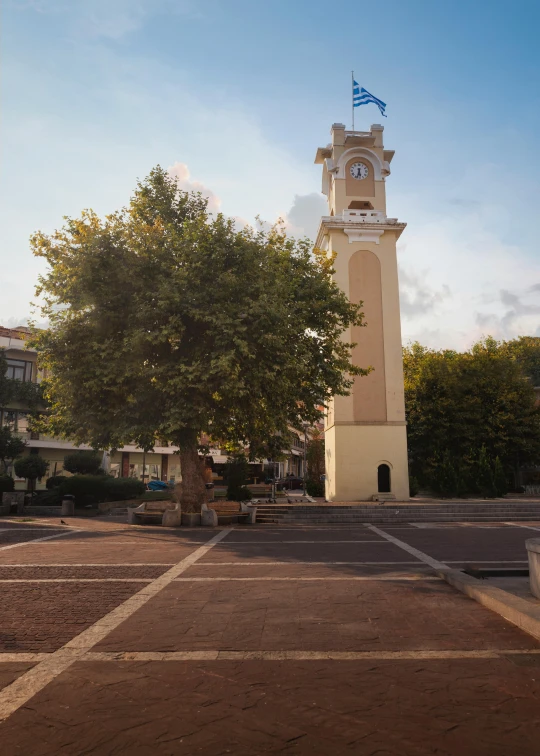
x: 192, y: 489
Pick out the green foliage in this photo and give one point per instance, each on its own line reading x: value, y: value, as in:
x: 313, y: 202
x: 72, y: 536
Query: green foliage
x: 31, y: 467
x: 485, y: 480
x: 315, y: 458
x: 236, y: 475
x: 10, y: 445
x: 526, y: 352
x: 447, y: 478
x: 120, y: 489
x: 155, y: 496
x: 167, y: 322
x: 83, y: 463
x: 91, y: 489
x: 314, y: 487
x: 28, y: 393
x: 413, y: 486
x: 499, y: 478
x: 7, y: 484
x: 55, y: 480
x: 457, y: 403
x: 5, y: 383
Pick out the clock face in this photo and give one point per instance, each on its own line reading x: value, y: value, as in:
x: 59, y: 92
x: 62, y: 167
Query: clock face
x: 359, y: 171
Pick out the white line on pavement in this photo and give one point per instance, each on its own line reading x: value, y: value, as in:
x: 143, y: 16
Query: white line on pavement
x: 410, y: 549
x: 271, y: 543
x: 348, y: 578
x: 303, y: 655
x: 13, y: 696
x: 213, y: 655
x: 34, y: 540
x: 519, y: 525
x: 91, y: 564
x: 295, y: 562
x: 76, y: 580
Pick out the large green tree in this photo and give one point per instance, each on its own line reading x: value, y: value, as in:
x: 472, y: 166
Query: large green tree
x: 167, y: 322
x: 460, y: 403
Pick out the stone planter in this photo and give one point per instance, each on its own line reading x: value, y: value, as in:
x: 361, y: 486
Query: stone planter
x: 533, y: 552
x: 191, y: 519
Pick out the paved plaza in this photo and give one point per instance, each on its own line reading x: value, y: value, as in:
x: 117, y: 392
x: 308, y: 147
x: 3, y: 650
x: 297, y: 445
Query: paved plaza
x: 312, y: 640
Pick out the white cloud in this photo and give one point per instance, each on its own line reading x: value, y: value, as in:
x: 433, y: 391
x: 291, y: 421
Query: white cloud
x: 180, y: 171
x: 304, y: 217
x: 479, y: 277
x: 416, y: 296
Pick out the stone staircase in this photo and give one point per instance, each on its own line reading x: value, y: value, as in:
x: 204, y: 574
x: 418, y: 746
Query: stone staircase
x: 337, y: 514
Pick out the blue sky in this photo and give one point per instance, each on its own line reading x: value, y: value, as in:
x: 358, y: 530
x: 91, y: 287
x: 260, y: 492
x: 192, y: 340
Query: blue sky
x: 238, y: 95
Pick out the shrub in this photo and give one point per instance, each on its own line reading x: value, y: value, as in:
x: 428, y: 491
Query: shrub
x: 119, y: 489
x: 55, y: 480
x: 7, y: 484
x: 314, y: 487
x: 31, y: 467
x: 83, y: 463
x: 92, y: 489
x: 237, y: 474
x: 413, y: 486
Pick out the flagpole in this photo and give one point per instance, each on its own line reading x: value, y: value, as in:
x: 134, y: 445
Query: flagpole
x: 352, y: 96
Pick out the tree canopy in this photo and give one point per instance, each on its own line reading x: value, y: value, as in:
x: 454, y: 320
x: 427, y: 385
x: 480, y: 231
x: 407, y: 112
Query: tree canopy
x: 458, y: 404
x: 167, y: 322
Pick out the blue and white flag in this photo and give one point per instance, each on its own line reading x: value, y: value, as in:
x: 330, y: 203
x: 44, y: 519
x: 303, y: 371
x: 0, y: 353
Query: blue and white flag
x: 362, y: 97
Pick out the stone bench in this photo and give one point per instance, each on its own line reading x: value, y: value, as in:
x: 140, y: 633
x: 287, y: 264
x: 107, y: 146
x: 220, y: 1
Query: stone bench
x: 228, y: 513
x: 151, y: 511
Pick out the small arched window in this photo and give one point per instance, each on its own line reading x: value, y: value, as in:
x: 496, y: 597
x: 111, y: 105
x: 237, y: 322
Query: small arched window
x: 383, y: 479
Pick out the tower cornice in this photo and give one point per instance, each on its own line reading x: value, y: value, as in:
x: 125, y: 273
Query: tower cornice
x: 367, y: 227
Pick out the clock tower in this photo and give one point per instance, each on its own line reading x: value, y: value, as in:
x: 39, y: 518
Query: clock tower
x: 365, y: 434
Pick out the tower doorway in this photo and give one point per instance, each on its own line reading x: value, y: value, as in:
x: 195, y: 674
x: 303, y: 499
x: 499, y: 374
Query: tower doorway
x: 383, y: 479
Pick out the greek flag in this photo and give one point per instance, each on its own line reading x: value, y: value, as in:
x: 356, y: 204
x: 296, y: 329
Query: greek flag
x: 362, y: 97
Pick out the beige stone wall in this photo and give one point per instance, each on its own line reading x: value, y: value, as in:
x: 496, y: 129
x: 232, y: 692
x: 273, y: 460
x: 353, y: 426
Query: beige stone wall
x: 369, y: 392
x: 353, y: 454
x: 390, y: 365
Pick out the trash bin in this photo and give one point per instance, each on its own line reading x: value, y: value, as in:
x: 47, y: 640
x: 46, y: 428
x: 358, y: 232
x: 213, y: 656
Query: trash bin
x: 68, y: 505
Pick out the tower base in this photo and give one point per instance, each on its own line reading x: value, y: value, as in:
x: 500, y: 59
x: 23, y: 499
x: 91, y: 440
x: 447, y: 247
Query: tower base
x: 354, y: 453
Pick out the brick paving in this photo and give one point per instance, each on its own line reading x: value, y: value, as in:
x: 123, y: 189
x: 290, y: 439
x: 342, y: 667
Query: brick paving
x: 265, y: 590
x: 37, y: 617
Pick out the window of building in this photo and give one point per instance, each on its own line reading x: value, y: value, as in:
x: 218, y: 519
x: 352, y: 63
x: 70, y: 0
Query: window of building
x: 9, y: 418
x: 17, y: 420
x: 19, y: 370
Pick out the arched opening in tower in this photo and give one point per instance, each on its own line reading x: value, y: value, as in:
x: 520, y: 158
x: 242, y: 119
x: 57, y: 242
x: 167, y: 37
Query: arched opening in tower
x: 383, y: 479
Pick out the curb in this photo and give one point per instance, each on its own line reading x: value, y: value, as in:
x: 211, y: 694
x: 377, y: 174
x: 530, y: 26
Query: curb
x: 516, y: 610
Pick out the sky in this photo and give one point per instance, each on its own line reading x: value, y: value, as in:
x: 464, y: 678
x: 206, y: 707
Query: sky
x: 234, y: 96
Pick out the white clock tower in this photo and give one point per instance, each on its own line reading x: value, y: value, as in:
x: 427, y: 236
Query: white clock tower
x: 366, y: 439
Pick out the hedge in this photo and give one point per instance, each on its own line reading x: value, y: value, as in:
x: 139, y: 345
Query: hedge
x: 93, y: 489
x: 7, y: 484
